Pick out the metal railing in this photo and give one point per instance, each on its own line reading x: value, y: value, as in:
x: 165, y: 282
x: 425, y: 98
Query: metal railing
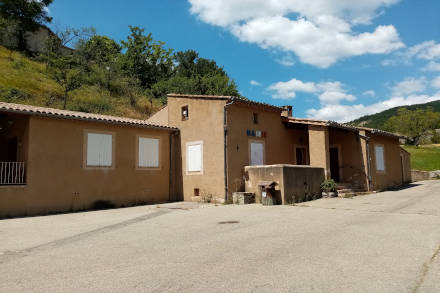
x: 12, y: 173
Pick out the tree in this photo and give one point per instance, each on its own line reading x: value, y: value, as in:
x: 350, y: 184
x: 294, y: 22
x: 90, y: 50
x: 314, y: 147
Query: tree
x: 413, y: 123
x: 189, y: 64
x: 64, y: 70
x: 100, y: 59
x: 146, y: 59
x: 28, y: 16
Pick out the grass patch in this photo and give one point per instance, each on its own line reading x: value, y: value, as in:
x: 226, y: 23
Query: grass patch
x: 425, y: 157
x: 24, y: 81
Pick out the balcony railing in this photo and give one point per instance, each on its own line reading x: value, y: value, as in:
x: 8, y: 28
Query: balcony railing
x: 12, y: 173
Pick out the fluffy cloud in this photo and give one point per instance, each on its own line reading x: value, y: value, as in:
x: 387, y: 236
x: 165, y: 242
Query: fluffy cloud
x: 327, y: 92
x: 409, y: 86
x: 428, y: 50
x: 369, y: 93
x: 320, y: 33
x: 288, y: 89
x: 286, y: 61
x: 432, y: 66
x: 254, y: 83
x: 436, y: 82
x: 345, y: 113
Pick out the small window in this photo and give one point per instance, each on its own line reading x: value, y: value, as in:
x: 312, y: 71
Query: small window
x: 194, y: 156
x: 185, y: 114
x: 148, y: 152
x: 99, y: 150
x: 255, y: 118
x: 379, y: 155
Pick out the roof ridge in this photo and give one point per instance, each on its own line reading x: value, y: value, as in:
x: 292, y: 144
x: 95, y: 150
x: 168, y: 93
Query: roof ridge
x: 54, y: 112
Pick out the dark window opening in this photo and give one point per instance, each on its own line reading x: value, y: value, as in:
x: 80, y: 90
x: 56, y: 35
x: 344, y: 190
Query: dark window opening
x: 185, y: 114
x: 12, y: 149
x: 255, y: 118
x: 301, y: 156
x: 196, y: 192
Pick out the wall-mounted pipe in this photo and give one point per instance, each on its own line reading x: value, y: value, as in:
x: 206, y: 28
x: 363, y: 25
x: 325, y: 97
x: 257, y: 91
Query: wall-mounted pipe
x: 225, y: 130
x: 367, y: 142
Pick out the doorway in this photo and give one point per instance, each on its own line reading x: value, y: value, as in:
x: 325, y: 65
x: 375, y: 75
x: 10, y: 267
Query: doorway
x: 334, y: 163
x: 257, y: 153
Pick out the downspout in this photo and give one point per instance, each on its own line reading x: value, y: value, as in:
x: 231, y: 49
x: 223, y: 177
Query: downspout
x: 171, y: 195
x: 367, y: 141
x: 225, y: 126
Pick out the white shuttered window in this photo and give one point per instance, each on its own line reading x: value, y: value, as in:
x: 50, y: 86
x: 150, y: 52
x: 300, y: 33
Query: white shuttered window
x: 380, y: 160
x: 194, y: 157
x: 99, y: 150
x: 148, y: 152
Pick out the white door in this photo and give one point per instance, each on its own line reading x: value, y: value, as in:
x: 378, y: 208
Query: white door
x: 257, y: 151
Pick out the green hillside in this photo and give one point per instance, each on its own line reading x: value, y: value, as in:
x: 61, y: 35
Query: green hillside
x: 25, y: 81
x: 378, y: 120
x: 425, y: 158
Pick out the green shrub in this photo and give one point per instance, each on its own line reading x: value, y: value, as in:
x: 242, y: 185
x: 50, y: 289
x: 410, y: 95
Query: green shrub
x: 328, y: 185
x: 12, y: 95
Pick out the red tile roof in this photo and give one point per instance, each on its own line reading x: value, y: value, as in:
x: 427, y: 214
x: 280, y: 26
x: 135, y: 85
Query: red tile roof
x: 57, y: 113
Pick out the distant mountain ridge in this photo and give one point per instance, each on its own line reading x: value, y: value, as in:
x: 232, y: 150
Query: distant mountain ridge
x: 378, y: 120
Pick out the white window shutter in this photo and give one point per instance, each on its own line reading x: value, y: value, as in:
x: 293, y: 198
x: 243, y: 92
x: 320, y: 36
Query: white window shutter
x: 379, y: 154
x: 99, y: 149
x: 148, y: 152
x: 194, y: 157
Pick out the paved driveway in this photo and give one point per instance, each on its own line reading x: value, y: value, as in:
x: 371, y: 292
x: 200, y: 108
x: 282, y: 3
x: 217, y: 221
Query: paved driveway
x: 385, y: 242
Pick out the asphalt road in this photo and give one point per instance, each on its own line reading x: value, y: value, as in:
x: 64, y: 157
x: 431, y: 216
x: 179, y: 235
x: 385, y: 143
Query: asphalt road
x: 385, y: 242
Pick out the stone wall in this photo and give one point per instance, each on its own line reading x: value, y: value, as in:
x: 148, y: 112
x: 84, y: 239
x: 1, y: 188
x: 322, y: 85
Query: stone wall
x: 292, y: 183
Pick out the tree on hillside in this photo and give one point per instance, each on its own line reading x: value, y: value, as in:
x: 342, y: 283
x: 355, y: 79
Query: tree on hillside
x: 100, y: 60
x: 146, y: 59
x: 27, y: 15
x: 195, y: 75
x: 65, y: 71
x: 413, y: 123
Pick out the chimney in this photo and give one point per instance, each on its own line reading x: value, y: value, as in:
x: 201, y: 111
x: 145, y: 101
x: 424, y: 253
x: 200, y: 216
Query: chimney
x: 287, y: 111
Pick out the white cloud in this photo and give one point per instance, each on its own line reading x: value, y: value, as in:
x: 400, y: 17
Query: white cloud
x: 254, y: 83
x: 288, y: 89
x: 286, y: 61
x: 320, y: 32
x: 432, y: 66
x: 345, y: 113
x: 428, y: 50
x: 327, y: 92
x: 436, y: 82
x: 408, y: 86
x: 369, y: 93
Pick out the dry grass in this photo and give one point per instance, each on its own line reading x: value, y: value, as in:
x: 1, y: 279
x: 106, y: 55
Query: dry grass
x: 29, y: 77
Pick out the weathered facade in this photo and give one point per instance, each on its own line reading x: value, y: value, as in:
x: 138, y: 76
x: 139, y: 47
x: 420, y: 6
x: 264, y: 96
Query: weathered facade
x: 230, y: 133
x: 47, y: 162
x: 194, y: 148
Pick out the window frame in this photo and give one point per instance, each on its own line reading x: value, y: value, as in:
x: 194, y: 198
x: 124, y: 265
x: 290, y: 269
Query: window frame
x: 375, y: 158
x: 184, y: 118
x: 85, y: 149
x: 137, y: 167
x: 198, y: 142
x: 255, y: 117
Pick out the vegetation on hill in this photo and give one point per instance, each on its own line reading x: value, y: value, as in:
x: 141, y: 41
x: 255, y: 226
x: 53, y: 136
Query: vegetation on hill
x: 378, y: 120
x: 129, y: 78
x: 425, y: 158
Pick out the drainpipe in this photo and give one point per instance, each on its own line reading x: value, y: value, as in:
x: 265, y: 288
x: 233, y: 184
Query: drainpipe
x: 225, y: 125
x: 367, y: 141
x: 171, y: 195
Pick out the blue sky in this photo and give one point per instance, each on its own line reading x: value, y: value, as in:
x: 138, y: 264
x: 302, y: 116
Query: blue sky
x: 329, y: 59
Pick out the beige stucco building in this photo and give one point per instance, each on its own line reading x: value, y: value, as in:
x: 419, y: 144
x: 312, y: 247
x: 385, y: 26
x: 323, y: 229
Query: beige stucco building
x: 56, y: 161
x: 224, y: 134
x: 195, y: 147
